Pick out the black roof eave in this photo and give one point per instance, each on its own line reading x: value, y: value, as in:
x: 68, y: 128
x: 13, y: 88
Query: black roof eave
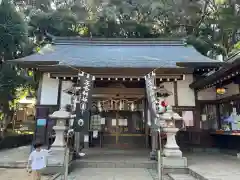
x: 201, y: 64
x: 55, y: 66
x: 32, y: 63
x: 215, y: 76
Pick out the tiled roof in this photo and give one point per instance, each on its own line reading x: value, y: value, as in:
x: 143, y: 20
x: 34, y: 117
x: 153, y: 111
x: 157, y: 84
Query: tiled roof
x: 118, y: 53
x: 233, y: 63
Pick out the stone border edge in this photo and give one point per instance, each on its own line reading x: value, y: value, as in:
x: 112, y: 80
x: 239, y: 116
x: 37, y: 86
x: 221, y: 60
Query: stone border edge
x: 54, y: 176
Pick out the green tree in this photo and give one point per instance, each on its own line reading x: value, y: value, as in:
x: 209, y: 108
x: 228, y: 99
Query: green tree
x: 13, y: 32
x: 14, y: 44
x: 210, y: 25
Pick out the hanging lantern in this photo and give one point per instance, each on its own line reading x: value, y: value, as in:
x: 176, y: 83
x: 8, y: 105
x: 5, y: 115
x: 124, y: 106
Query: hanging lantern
x: 221, y: 91
x: 121, y: 105
x: 99, y: 105
x: 132, y: 106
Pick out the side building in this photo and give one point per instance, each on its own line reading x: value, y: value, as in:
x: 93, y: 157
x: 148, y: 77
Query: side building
x: 218, y: 105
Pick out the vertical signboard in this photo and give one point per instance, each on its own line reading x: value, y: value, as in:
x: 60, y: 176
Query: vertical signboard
x: 151, y: 97
x: 83, y: 100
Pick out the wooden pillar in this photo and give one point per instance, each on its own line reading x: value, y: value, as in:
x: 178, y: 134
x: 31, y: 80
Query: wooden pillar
x: 175, y: 88
x: 145, y: 116
x: 197, y: 116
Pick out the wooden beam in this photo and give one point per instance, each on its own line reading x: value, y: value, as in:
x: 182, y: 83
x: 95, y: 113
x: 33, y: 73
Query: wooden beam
x: 175, y: 88
x: 124, y: 77
x: 39, y: 91
x: 115, y: 71
x: 112, y: 96
x: 119, y: 91
x: 59, y: 93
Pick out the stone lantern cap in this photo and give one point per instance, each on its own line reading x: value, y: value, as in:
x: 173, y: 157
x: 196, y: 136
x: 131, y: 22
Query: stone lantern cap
x: 170, y: 115
x: 61, y: 114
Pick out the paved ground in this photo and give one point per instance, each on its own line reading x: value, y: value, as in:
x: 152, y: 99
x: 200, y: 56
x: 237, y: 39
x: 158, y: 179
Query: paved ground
x: 15, y: 155
x: 213, y: 166
x: 110, y: 174
x: 16, y: 174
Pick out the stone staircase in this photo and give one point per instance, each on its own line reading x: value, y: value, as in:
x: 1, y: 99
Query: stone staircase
x: 184, y: 174
x: 132, y: 159
x: 108, y: 158
x: 169, y: 174
x: 180, y: 177
x: 115, y: 162
x: 177, y: 174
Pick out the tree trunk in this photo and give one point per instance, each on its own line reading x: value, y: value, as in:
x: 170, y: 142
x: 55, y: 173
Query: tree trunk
x: 5, y: 122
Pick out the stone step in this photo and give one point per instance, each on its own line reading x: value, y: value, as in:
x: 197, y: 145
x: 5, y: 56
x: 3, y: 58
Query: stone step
x: 114, y: 164
x: 16, y: 164
x: 154, y: 174
x: 181, y: 176
x: 196, y: 174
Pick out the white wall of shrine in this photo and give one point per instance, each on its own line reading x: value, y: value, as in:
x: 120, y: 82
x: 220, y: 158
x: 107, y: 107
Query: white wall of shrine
x: 65, y: 98
x: 207, y: 94
x: 170, y: 87
x: 49, y: 91
x: 185, y: 94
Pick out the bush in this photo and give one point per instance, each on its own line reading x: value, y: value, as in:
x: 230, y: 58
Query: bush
x: 16, y: 141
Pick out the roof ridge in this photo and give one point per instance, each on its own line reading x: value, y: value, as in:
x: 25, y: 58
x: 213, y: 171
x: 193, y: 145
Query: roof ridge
x: 233, y: 56
x: 153, y: 43
x: 115, y: 41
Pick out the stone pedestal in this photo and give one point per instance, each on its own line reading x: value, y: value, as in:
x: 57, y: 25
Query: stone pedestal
x: 153, y: 153
x: 174, y: 162
x: 171, y: 149
x: 172, y: 154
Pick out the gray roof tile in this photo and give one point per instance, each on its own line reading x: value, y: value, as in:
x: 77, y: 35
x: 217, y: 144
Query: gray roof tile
x: 119, y: 55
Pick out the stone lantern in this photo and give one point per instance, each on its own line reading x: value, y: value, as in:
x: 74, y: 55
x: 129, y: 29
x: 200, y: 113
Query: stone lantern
x: 57, y: 158
x: 61, y: 116
x: 171, y: 148
x: 172, y: 154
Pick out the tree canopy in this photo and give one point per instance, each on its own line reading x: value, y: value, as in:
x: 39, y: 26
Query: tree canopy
x: 15, y: 43
x: 211, y: 26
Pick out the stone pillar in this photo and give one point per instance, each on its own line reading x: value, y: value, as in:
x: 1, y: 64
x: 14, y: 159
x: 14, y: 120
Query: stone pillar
x: 59, y: 129
x: 58, y: 148
x: 86, y: 129
x: 172, y: 154
x: 153, y: 153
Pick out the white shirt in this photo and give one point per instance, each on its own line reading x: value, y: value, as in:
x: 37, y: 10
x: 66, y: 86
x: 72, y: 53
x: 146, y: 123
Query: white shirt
x: 38, y: 159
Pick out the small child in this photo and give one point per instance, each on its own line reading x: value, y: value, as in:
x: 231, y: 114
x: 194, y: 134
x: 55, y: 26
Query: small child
x: 37, y: 161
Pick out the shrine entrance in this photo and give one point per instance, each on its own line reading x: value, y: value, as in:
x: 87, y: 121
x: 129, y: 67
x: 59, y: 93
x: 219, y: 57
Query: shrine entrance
x: 118, y: 115
x: 124, y: 129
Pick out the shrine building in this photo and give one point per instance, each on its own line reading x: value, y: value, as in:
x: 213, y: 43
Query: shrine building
x: 119, y: 67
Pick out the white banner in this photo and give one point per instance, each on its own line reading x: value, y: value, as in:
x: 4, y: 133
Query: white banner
x: 151, y: 96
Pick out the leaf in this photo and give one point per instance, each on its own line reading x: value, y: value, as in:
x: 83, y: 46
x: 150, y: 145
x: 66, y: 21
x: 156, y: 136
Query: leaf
x: 220, y: 2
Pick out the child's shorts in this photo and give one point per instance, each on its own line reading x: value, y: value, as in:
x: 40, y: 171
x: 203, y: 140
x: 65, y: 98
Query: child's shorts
x: 40, y: 170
